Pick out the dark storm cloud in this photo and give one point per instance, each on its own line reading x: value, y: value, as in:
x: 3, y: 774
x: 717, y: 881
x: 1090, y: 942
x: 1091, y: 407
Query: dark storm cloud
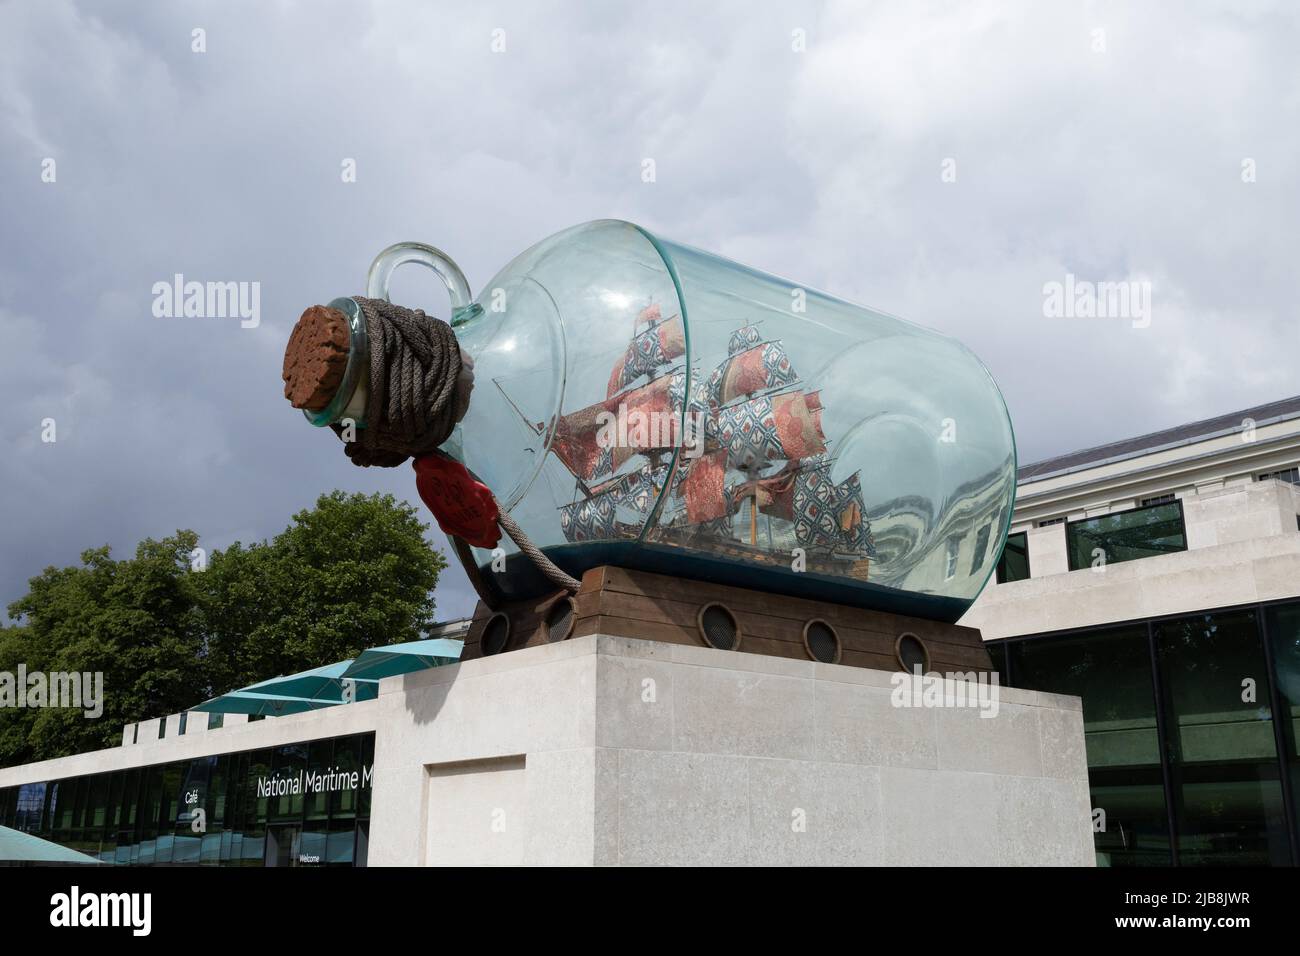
x: 1123, y: 163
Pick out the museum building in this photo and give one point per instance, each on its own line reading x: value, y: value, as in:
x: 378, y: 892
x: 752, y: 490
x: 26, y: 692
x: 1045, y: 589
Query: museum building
x: 1158, y: 579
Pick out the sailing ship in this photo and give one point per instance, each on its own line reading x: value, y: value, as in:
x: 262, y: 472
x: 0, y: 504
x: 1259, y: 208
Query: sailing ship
x: 749, y: 440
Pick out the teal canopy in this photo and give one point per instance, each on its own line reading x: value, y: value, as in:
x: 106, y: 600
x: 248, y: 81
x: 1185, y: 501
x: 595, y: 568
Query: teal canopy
x: 323, y: 686
x: 319, y: 684
x: 19, y: 847
x: 393, y: 659
x: 265, y: 705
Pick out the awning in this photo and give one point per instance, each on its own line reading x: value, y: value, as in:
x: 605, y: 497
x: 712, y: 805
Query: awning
x: 319, y: 684
x: 393, y: 659
x: 19, y: 847
x: 265, y: 705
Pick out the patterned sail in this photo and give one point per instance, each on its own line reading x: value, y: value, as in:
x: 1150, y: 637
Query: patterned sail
x: 759, y: 368
x: 650, y: 350
x: 769, y: 428
x: 745, y: 337
x: 596, y: 517
x: 829, y: 515
x: 593, y: 519
x: 854, y: 528
x: 695, y: 399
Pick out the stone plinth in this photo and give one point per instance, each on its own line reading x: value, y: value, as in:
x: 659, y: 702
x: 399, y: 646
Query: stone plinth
x: 603, y: 750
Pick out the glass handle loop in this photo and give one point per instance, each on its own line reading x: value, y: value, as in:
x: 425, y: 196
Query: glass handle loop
x: 386, y: 263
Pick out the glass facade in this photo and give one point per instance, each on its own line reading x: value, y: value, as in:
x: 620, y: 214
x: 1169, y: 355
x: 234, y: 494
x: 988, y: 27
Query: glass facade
x: 1225, y: 778
x: 1126, y: 535
x: 1282, y: 625
x: 1111, y: 672
x: 304, y: 804
x: 1187, y: 762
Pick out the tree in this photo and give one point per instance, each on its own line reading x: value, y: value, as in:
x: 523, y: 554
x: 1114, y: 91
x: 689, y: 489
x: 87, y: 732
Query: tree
x: 132, y: 621
x: 353, y: 572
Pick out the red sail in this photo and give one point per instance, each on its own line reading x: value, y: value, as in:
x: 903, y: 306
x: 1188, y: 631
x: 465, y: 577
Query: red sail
x: 704, y: 488
x: 597, y: 439
x: 799, y: 423
x: 761, y: 367
x: 775, y: 495
x: 575, y: 441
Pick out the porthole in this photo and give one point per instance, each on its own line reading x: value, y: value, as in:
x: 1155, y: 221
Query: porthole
x: 558, y: 623
x: 912, y: 653
x: 821, y: 642
x: 718, y: 627
x: 496, y: 635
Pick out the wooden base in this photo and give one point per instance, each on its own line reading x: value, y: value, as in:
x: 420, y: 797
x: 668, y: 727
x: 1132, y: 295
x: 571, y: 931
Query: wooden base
x: 657, y: 607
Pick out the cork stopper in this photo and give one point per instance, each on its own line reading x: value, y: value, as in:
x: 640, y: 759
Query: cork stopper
x: 315, y: 358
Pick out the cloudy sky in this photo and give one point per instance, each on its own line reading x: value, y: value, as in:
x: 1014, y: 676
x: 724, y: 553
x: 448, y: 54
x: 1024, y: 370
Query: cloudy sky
x: 1155, y: 142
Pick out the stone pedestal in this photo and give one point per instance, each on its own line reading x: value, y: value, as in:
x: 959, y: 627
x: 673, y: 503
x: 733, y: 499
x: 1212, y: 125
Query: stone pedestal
x: 616, y: 751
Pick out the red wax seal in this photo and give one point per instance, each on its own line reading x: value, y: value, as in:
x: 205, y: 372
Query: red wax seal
x: 463, y: 507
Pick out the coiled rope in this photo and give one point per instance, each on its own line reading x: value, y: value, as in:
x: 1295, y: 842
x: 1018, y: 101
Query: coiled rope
x: 412, y: 405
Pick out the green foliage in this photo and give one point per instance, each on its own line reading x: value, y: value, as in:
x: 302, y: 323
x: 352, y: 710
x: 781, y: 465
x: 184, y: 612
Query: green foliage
x: 353, y: 572
x: 134, y: 620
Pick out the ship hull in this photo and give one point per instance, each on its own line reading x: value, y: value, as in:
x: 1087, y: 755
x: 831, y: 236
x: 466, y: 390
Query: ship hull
x: 670, y: 609
x: 734, y: 566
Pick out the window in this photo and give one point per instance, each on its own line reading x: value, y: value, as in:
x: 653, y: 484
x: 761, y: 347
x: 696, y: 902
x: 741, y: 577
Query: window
x: 1126, y: 535
x: 1110, y: 669
x: 1286, y: 474
x: 1282, y: 625
x: 97, y: 801
x: 998, y: 655
x: 1048, y: 522
x: 184, y: 721
x: 950, y: 566
x: 28, y: 808
x: 215, y: 721
x: 151, y: 785
x: 981, y: 545
x: 1157, y: 500
x: 1014, y: 563
x: 289, y: 763
x: 1222, y: 749
x: 191, y: 794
